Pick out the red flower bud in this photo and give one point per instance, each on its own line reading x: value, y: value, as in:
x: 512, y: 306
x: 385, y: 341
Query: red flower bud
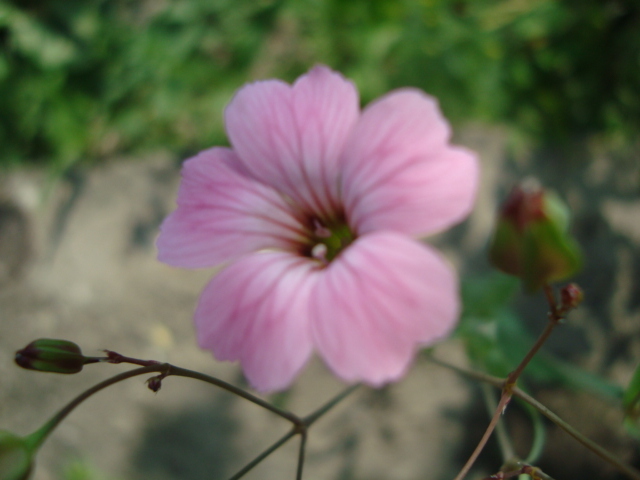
x: 531, y: 240
x: 571, y: 296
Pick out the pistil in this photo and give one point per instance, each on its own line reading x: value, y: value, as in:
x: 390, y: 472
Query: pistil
x: 328, y: 240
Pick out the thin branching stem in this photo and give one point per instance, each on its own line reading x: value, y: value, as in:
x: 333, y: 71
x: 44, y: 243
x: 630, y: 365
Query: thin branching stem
x: 502, y: 404
x: 300, y: 426
x: 510, y: 383
x: 497, y: 382
x: 513, y: 376
x: 183, y: 372
x: 165, y: 370
x: 311, y: 418
x: 301, y: 454
x: 168, y: 370
x: 276, y: 445
x: 555, y: 317
x: 594, y: 447
x: 502, y: 435
x: 43, y: 433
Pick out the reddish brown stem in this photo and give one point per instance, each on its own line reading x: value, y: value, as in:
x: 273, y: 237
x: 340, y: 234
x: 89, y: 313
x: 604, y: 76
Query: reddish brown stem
x: 555, y: 315
x: 502, y: 405
x: 115, y: 357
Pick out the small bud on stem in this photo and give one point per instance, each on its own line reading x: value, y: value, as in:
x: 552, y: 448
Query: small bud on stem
x: 155, y: 383
x: 570, y: 297
x: 52, y: 355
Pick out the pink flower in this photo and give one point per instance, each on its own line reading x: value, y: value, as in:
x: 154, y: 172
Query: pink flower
x: 315, y: 211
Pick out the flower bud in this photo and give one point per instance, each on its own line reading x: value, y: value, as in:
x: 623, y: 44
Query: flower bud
x: 531, y: 240
x: 49, y: 355
x: 155, y: 383
x: 571, y: 296
x: 15, y: 457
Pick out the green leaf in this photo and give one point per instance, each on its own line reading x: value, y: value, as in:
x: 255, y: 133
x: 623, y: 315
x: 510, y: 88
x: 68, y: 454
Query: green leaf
x: 496, y: 339
x: 631, y: 397
x: 487, y: 295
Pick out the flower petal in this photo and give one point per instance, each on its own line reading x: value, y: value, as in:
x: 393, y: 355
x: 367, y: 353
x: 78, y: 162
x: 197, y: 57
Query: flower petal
x: 223, y: 213
x: 291, y: 137
x: 401, y: 174
x: 376, y: 303
x: 257, y: 311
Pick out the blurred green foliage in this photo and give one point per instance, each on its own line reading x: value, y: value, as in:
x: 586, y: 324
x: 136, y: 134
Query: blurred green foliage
x: 85, y: 79
x: 497, y: 340
x: 81, y: 470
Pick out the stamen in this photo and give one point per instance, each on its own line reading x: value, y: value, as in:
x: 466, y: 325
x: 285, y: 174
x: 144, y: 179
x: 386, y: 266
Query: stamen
x: 319, y: 252
x: 326, y: 239
x: 320, y: 230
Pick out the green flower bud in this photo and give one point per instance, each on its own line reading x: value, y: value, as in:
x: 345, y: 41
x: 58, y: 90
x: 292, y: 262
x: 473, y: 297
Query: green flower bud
x: 15, y: 457
x: 531, y: 240
x: 49, y: 355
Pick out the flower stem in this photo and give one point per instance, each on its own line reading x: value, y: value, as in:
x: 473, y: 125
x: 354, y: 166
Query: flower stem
x: 310, y: 419
x: 594, y: 447
x: 301, y: 452
x: 502, y: 405
x: 497, y: 382
x: 167, y: 370
x: 39, y: 436
x: 264, y: 454
x: 504, y: 442
x: 298, y: 429
x: 183, y: 372
x: 300, y: 426
x: 555, y: 315
x: 554, y: 320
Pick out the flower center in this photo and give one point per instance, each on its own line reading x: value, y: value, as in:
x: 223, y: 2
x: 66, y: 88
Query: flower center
x: 327, y: 240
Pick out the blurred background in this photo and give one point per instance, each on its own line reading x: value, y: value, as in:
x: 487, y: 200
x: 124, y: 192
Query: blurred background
x: 100, y: 101
x: 84, y: 80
